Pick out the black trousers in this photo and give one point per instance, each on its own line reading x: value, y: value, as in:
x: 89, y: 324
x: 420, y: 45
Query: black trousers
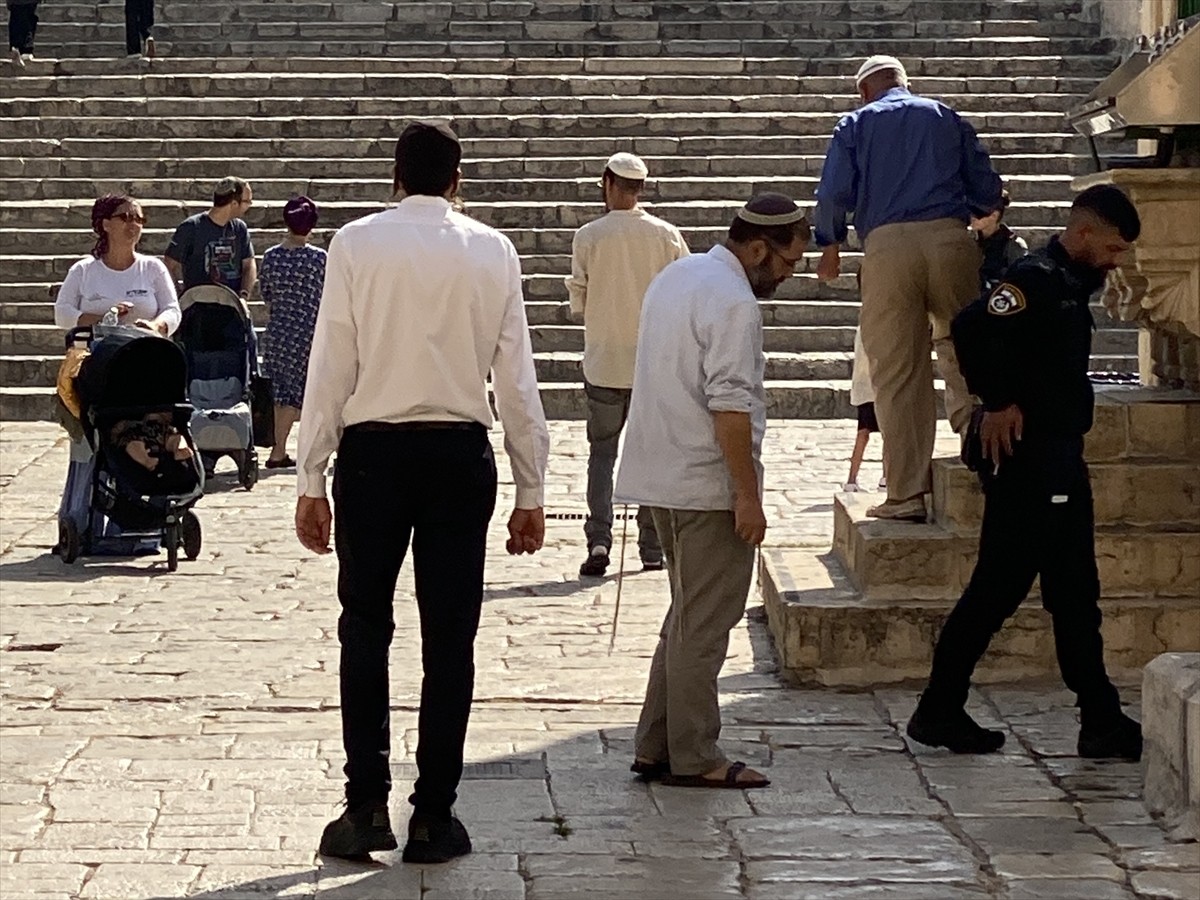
x: 1029, y: 529
x: 139, y: 19
x: 433, y: 488
x: 22, y: 26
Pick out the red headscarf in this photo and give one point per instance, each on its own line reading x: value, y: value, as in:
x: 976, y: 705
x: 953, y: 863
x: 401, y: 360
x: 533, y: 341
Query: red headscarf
x: 102, y: 209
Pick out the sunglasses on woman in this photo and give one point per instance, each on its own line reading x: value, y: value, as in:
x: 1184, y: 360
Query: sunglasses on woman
x: 130, y: 217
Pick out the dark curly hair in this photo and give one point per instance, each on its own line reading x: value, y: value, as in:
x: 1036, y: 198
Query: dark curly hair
x: 102, y: 209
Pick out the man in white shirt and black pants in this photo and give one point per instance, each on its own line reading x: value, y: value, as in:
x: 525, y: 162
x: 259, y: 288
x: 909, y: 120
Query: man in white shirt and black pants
x: 613, y: 261
x: 420, y: 303
x: 693, y: 455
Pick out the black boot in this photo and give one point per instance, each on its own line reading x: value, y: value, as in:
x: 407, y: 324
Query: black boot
x: 435, y: 839
x: 1112, y: 736
x: 955, y: 730
x: 358, y: 832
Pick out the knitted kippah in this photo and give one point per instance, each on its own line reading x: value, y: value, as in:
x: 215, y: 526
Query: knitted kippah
x: 770, y: 209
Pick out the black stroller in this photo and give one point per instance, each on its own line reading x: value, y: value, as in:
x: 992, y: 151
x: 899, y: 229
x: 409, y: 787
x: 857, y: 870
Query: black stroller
x: 217, y: 337
x: 112, y: 503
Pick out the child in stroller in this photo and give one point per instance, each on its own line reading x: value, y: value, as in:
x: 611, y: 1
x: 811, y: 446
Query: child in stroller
x: 134, y: 475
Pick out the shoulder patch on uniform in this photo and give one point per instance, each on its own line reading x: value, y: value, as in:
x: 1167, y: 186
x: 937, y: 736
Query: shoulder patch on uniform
x: 1006, y: 300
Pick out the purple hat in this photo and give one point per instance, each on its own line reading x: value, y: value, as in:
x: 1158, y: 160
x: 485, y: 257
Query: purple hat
x: 300, y: 215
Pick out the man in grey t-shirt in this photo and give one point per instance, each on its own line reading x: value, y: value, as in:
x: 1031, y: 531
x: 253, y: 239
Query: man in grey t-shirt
x: 214, y: 247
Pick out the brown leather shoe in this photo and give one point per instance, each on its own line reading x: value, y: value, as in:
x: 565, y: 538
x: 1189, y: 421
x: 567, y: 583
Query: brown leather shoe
x: 911, y: 510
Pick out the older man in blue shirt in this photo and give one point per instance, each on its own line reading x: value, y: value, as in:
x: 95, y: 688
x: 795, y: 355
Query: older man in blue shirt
x: 911, y: 172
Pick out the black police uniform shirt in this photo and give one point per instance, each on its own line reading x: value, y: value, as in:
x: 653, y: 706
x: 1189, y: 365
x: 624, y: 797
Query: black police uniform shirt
x: 1000, y: 250
x: 1028, y: 342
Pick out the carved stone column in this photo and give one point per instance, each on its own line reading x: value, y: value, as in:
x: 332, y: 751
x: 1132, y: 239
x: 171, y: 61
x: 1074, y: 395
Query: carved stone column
x: 1160, y: 285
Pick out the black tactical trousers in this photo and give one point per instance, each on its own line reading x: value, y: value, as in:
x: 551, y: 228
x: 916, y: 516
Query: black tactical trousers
x: 1032, y: 525
x: 139, y: 19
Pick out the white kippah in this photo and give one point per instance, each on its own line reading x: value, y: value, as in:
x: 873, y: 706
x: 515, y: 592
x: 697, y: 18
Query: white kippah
x: 770, y: 209
x: 880, y: 64
x: 626, y: 165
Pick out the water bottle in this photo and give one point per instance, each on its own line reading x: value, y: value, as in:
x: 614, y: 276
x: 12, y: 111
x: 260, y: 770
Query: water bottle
x: 110, y: 318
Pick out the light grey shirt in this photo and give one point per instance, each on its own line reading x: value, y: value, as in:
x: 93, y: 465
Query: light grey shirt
x: 700, y: 351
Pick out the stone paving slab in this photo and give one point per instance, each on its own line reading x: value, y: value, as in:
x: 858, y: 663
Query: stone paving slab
x: 177, y: 735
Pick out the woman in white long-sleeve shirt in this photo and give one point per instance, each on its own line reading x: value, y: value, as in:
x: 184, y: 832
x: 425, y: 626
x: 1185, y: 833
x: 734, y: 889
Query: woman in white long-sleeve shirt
x: 116, y: 277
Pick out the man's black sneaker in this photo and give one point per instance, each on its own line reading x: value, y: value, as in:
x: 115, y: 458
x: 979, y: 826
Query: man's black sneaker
x: 358, y: 832
x: 1114, y: 737
x: 955, y: 731
x: 435, y: 840
x: 652, y: 565
x: 596, y: 564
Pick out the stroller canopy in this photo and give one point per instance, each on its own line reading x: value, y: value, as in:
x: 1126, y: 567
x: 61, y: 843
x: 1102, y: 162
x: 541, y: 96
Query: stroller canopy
x: 131, y: 370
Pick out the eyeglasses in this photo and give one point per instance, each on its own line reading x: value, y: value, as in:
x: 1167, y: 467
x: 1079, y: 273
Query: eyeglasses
x: 788, y: 261
x: 130, y: 217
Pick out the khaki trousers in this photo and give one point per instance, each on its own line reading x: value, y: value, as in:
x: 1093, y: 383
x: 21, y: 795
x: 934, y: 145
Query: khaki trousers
x: 710, y: 569
x: 915, y: 274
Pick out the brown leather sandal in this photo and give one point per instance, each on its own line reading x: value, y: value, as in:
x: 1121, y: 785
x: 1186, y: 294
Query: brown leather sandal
x: 729, y: 781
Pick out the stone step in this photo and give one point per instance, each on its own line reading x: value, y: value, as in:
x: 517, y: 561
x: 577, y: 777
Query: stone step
x: 1137, y: 493
x: 835, y: 91
x: 1032, y: 189
x: 378, y: 122
x: 785, y: 400
x: 75, y: 242
x: 554, y: 59
x: 827, y: 633
x: 28, y: 370
x: 1015, y: 167
x: 527, y: 37
x: 970, y: 105
x: 713, y: 214
x: 830, y: 14
x: 383, y: 148
x: 48, y: 339
x: 894, y: 562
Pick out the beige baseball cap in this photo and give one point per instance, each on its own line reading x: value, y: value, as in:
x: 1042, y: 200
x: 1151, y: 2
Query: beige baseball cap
x: 627, y: 166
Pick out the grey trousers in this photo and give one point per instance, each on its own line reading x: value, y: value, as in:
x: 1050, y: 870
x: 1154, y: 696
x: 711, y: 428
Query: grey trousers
x: 607, y: 410
x: 710, y: 570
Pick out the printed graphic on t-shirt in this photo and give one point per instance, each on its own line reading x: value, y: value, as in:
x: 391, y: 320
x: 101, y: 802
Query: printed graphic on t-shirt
x: 221, y: 261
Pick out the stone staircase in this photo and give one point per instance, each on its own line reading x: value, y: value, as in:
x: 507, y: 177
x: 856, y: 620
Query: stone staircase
x: 871, y: 610
x: 721, y: 99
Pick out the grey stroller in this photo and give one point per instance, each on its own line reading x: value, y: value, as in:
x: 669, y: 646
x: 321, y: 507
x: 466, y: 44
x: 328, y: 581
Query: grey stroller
x: 217, y: 337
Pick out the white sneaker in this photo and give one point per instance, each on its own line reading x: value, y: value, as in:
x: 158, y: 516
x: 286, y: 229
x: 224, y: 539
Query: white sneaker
x: 17, y: 59
x: 851, y: 487
x: 883, y: 484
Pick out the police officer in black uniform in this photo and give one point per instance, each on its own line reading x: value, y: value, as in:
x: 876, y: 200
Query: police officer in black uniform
x: 1024, y: 351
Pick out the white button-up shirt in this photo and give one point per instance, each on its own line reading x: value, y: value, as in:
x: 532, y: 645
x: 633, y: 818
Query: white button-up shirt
x: 420, y: 303
x: 613, y: 261
x: 700, y: 351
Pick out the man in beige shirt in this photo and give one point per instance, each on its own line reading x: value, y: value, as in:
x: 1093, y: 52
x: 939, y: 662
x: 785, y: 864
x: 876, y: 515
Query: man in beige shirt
x: 613, y: 261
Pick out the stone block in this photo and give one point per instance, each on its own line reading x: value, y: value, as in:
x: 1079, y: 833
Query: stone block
x: 1139, y: 493
x: 1171, y: 728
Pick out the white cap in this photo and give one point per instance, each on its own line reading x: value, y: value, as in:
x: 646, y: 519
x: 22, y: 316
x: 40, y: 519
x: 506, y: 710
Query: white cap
x: 627, y: 166
x: 880, y: 64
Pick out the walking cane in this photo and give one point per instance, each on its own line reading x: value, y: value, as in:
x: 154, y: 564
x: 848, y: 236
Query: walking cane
x: 612, y: 638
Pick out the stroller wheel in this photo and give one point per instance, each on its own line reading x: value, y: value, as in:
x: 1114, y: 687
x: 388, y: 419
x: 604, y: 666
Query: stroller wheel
x: 171, y: 540
x: 190, y: 535
x: 248, y: 475
x: 68, y: 541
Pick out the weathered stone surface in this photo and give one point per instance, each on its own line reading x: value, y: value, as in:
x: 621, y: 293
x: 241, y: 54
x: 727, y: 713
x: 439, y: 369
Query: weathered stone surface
x: 1171, y: 728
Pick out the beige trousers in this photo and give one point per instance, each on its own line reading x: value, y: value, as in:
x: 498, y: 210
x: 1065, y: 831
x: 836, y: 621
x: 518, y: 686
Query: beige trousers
x: 915, y: 274
x: 710, y: 569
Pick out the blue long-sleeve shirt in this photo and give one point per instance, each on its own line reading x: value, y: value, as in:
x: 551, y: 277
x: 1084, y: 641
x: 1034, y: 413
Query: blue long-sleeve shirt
x: 902, y: 158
